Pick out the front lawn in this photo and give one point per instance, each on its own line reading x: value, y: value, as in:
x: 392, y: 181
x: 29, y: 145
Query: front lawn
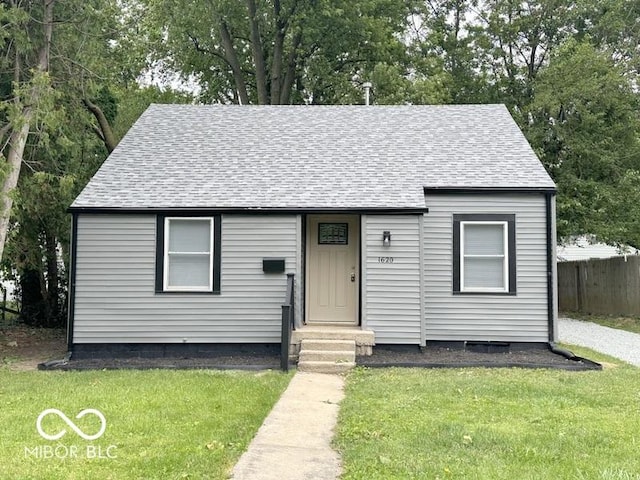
x: 491, y: 423
x: 160, y: 424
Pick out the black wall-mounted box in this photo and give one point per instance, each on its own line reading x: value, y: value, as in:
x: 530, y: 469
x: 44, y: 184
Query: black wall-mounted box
x: 273, y: 265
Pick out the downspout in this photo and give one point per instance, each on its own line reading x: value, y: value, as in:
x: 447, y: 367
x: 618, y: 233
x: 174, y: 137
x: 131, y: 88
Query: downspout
x: 548, y: 196
x: 72, y: 281
x: 550, y: 291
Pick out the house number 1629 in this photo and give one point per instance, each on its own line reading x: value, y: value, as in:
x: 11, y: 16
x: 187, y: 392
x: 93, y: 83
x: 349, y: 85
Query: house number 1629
x: 385, y: 259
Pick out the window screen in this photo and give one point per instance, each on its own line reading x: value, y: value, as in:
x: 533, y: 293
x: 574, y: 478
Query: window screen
x: 483, y: 262
x: 189, y: 253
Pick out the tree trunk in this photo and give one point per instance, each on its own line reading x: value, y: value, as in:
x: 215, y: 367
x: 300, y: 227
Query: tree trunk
x: 258, y: 56
x: 33, y: 310
x: 52, y: 293
x: 234, y: 63
x: 290, y: 76
x: 18, y: 138
x: 17, y: 143
x: 106, y: 132
x: 278, y: 52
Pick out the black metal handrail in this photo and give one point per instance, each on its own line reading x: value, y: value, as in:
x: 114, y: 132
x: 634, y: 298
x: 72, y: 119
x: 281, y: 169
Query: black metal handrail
x: 288, y: 318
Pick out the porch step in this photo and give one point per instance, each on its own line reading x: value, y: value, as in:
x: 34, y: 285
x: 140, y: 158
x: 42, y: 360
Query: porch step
x: 326, y: 356
x: 331, y: 338
x: 325, y: 367
x: 361, y: 337
x: 336, y: 356
x: 327, y: 345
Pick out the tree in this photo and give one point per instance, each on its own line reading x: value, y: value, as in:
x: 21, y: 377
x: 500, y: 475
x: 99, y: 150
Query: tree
x: 274, y: 52
x: 41, y: 61
x: 73, y: 114
x: 584, y: 125
x: 519, y: 38
x: 612, y: 25
x: 445, y: 46
x: 27, y: 45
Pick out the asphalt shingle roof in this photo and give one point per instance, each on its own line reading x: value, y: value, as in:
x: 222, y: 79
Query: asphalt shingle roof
x: 297, y: 157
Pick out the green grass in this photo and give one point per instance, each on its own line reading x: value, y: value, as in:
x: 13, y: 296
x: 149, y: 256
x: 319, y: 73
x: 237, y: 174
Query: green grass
x: 630, y: 324
x: 491, y: 423
x: 164, y: 424
x: 605, y: 360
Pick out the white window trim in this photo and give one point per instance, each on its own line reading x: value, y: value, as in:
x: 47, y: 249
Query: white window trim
x: 167, y: 234
x: 505, y: 257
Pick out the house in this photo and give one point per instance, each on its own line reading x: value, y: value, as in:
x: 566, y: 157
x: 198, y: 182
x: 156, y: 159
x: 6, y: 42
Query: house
x: 415, y: 224
x: 586, y: 247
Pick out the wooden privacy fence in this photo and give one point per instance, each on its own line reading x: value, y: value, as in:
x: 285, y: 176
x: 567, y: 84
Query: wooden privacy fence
x: 609, y: 286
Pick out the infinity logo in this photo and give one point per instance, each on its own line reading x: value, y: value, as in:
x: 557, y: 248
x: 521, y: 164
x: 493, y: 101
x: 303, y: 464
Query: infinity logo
x: 61, y: 433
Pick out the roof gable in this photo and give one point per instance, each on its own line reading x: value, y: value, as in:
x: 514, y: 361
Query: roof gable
x: 302, y: 157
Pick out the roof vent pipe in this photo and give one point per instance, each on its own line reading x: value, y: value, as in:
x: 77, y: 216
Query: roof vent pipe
x: 367, y: 87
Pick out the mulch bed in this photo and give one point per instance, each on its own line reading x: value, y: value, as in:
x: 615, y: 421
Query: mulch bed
x: 439, y: 357
x: 223, y: 362
x: 429, y: 357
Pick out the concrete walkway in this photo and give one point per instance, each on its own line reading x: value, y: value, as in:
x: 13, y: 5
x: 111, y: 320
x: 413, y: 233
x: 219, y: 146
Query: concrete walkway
x: 294, y: 442
x: 612, y: 341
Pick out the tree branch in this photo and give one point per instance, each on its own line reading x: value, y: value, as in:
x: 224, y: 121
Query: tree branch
x: 106, y: 131
x: 3, y: 131
x: 43, y: 57
x: 98, y: 132
x: 207, y: 51
x: 200, y: 49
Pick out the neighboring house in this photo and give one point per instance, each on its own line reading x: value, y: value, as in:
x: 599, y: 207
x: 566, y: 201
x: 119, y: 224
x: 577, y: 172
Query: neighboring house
x: 585, y: 247
x: 417, y: 223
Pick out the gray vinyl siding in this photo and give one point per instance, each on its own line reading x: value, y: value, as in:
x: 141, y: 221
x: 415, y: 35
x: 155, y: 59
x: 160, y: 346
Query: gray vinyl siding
x: 522, y: 317
x: 391, y: 292
x: 115, y: 301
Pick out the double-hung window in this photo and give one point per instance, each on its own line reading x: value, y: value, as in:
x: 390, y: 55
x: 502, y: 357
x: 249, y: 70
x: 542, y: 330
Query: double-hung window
x: 187, y: 259
x: 484, y: 254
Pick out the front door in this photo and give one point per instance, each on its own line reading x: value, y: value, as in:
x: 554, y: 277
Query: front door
x: 332, y: 269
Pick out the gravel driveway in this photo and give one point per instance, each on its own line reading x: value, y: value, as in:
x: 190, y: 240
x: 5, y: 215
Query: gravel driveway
x: 612, y: 341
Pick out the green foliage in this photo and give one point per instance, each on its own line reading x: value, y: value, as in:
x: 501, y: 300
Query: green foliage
x: 612, y: 25
x: 91, y: 59
x: 132, y: 102
x: 584, y: 124
x: 447, y: 46
x: 328, y: 47
x: 108, y: 103
x: 395, y: 87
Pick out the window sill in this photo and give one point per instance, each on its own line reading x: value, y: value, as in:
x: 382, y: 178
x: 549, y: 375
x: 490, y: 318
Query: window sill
x: 484, y: 294
x: 186, y: 292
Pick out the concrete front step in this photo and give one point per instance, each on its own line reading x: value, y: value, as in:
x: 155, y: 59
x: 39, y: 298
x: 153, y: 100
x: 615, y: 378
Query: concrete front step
x: 327, y: 355
x: 365, y: 339
x: 328, y: 345
x: 361, y: 337
x: 325, y: 367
